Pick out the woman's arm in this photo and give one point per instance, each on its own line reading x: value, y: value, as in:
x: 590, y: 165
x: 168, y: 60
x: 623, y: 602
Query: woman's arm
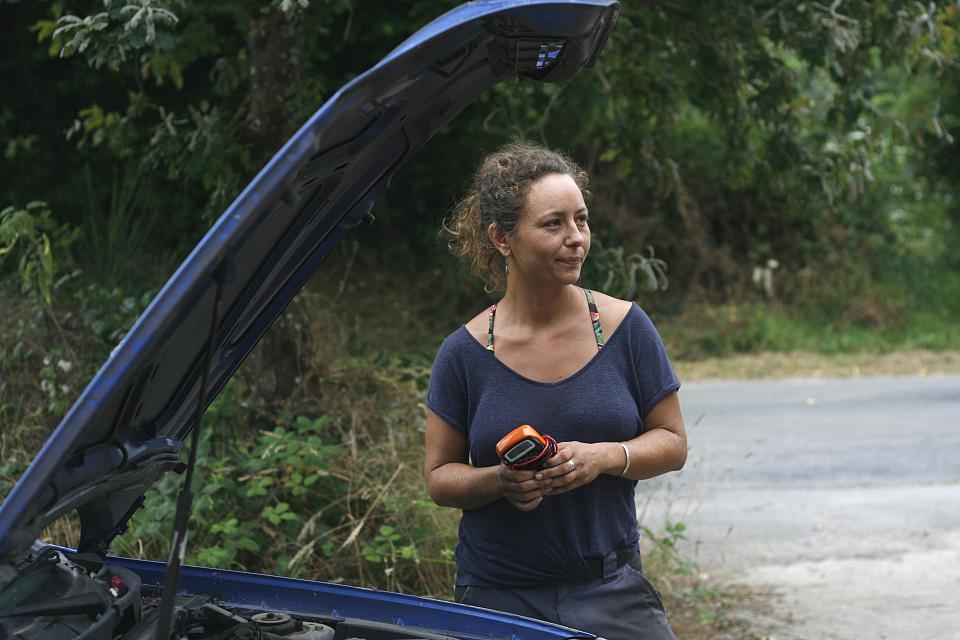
x: 662, y: 447
x: 451, y: 482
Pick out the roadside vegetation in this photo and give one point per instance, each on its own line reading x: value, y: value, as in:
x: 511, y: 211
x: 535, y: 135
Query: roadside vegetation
x: 775, y: 183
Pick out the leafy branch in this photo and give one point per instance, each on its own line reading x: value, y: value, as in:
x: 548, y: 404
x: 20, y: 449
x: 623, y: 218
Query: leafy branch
x: 112, y: 36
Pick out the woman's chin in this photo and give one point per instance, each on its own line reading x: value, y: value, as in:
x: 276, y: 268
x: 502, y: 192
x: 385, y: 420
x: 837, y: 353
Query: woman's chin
x: 558, y: 278
x: 569, y: 276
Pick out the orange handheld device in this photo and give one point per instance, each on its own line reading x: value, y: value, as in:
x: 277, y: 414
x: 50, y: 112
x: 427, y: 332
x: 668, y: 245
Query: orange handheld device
x: 525, y: 448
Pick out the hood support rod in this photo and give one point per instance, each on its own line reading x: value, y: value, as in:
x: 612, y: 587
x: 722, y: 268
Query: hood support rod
x: 178, y: 542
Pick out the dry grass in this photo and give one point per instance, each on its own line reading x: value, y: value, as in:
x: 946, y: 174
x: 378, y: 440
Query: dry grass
x: 704, y: 612
x: 818, y: 365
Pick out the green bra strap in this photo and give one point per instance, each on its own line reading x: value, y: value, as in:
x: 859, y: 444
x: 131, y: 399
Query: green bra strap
x: 595, y: 318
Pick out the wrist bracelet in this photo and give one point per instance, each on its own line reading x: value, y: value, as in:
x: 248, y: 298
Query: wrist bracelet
x: 626, y: 450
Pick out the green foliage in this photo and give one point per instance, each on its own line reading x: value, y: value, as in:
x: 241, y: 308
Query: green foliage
x: 24, y: 234
x: 114, y: 36
x: 665, y: 548
x: 743, y: 132
x: 412, y: 370
x: 875, y: 323
x: 724, y: 135
x: 200, y: 147
x: 388, y: 547
x: 625, y: 276
x: 299, y: 495
x: 251, y: 495
x: 114, y: 232
x: 109, y: 312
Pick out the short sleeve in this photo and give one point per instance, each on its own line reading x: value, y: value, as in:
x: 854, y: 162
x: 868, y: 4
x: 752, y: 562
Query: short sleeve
x: 655, y: 374
x: 447, y: 393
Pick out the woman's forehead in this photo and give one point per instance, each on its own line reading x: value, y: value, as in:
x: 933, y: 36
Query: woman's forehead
x: 554, y: 191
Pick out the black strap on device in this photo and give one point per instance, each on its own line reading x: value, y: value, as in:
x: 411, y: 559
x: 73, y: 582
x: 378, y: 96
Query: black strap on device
x: 178, y: 542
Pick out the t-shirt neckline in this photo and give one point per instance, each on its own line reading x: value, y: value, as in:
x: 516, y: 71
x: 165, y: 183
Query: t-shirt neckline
x: 575, y: 374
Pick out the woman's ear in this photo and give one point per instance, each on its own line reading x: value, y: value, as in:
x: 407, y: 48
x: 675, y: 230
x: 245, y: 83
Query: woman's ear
x: 499, y: 239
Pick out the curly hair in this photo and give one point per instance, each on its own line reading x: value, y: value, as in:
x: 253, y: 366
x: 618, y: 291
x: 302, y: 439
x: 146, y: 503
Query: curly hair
x: 497, y: 195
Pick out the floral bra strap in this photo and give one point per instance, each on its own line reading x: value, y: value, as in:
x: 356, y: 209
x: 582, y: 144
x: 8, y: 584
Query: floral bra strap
x: 594, y: 318
x: 493, y: 312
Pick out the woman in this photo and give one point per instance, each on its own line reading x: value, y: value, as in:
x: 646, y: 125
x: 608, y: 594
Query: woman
x: 559, y: 544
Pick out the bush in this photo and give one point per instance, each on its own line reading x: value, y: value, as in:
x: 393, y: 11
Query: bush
x: 327, y: 484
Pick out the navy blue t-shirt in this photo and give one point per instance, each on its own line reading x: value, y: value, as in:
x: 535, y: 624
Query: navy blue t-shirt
x: 606, y: 401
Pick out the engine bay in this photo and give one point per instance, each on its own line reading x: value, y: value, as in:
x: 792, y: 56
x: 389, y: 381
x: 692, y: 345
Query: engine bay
x: 58, y: 594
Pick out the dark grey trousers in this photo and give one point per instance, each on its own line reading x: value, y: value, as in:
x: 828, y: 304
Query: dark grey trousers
x: 620, y: 606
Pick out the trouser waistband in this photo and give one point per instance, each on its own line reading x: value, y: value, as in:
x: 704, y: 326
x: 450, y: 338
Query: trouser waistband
x: 597, y: 568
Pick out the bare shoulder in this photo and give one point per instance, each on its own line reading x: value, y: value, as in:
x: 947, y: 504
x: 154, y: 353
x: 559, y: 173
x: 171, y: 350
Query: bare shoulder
x: 612, y: 311
x: 478, y: 326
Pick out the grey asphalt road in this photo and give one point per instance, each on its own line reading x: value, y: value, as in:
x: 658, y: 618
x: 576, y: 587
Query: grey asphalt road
x: 839, y: 497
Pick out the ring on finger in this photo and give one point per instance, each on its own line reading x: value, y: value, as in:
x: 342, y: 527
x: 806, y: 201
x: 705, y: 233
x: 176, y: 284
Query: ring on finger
x: 573, y: 465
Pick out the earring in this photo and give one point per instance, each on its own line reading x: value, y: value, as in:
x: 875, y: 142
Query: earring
x: 506, y: 264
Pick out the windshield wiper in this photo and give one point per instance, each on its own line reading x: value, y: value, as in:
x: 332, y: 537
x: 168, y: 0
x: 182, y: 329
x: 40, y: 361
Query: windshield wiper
x: 45, y: 558
x: 178, y: 541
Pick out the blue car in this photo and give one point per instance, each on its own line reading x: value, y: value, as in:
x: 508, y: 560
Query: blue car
x: 128, y: 427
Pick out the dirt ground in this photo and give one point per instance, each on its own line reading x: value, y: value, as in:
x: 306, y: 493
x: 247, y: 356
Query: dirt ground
x: 705, y: 610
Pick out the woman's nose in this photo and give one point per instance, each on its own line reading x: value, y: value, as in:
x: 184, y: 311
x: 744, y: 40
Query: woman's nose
x: 574, y: 235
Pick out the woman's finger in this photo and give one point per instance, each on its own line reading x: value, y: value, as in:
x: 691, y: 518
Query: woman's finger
x: 562, y: 456
x: 559, y: 468
x: 565, y: 481
x: 570, y: 481
x: 515, y: 476
x: 524, y: 488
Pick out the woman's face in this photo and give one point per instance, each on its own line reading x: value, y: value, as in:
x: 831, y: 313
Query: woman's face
x: 552, y: 237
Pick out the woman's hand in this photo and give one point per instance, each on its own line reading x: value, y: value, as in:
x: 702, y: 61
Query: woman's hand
x: 579, y: 463
x: 522, y: 489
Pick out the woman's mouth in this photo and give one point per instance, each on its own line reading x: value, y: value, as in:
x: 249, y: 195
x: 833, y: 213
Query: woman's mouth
x: 571, y: 261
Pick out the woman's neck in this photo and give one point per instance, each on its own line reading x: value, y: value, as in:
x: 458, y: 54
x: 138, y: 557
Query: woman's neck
x: 539, y: 306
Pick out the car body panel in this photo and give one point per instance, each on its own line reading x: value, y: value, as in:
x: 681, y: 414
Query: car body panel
x: 337, y: 601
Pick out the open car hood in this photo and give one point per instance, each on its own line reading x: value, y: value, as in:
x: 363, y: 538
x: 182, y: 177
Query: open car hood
x: 127, y: 427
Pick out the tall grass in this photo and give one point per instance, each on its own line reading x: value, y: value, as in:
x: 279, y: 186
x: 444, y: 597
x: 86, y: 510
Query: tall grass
x: 906, y: 302
x: 117, y: 224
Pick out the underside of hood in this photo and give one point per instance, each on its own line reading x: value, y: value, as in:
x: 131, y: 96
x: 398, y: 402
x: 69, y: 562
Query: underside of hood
x: 127, y: 427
